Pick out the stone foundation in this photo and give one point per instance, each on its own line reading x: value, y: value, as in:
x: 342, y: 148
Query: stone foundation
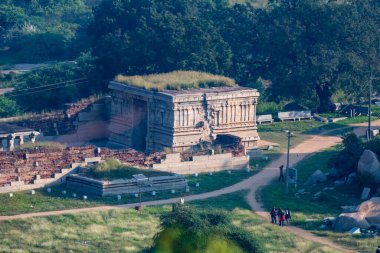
x: 210, y: 163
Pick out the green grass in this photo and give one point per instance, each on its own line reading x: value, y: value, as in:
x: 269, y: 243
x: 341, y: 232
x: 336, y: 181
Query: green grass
x: 126, y: 230
x: 306, y: 207
x: 176, y: 80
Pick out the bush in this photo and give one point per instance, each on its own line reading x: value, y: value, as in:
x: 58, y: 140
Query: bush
x: 346, y: 161
x: 190, y: 230
x: 367, y: 180
x: 8, y: 107
x: 268, y: 108
x: 374, y: 145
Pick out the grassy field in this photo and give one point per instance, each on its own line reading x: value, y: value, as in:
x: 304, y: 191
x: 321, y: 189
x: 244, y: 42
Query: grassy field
x: 308, y: 211
x: 127, y: 231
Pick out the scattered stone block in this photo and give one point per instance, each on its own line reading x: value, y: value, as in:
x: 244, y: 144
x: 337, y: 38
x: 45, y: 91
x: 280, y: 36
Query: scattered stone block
x: 33, y: 192
x: 365, y: 193
x: 369, y: 165
x: 354, y: 231
x: 317, y: 177
x: 153, y: 193
x: 84, y: 197
x: 118, y: 197
x: 270, y: 148
x: 10, y: 195
x: 172, y: 191
x: 48, y: 189
x: 197, y: 185
x: 74, y: 195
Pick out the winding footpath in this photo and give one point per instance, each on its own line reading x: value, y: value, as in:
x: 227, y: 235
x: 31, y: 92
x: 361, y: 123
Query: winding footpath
x: 264, y: 177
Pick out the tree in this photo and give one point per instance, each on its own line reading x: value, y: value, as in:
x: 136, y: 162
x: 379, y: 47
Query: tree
x: 190, y: 230
x: 314, y: 47
x: 150, y: 36
x: 50, y: 87
x: 8, y: 107
x: 346, y: 161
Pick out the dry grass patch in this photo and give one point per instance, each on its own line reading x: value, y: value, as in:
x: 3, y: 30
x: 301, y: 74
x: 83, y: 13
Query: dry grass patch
x: 176, y: 80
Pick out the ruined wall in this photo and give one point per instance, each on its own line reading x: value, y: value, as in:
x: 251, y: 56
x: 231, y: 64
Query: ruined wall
x: 43, y: 163
x: 77, y: 123
x: 209, y: 163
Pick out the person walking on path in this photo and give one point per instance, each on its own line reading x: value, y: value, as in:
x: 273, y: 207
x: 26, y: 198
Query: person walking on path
x: 281, y: 178
x: 288, y: 216
x: 378, y: 249
x: 273, y: 214
x: 281, y: 217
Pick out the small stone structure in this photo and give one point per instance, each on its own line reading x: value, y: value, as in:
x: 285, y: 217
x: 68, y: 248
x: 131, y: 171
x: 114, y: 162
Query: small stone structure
x: 179, y: 119
x: 205, y: 163
x: 11, y: 133
x: 123, y: 186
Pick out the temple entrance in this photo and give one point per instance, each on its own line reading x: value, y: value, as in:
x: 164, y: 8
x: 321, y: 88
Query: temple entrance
x: 140, y: 124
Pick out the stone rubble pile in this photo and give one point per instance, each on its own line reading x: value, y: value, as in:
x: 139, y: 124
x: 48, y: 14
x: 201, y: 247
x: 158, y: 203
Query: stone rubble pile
x: 27, y: 165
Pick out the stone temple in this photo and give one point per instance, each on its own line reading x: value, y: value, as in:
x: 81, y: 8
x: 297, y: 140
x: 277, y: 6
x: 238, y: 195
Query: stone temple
x: 179, y: 110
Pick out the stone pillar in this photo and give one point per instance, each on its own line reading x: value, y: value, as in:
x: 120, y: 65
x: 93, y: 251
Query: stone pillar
x: 11, y: 142
x: 1, y: 144
x: 21, y: 140
x: 32, y: 137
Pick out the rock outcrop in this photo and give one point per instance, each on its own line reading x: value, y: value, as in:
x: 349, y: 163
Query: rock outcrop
x: 369, y: 165
x: 367, y: 214
x: 317, y: 177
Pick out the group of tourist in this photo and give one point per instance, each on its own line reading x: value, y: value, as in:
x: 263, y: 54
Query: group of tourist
x: 281, y: 216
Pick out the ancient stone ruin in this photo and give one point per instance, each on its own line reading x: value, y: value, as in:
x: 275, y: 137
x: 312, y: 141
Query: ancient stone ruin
x: 179, y: 119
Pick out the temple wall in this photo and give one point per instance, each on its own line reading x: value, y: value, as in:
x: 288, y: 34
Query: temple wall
x: 210, y: 163
x: 181, y: 120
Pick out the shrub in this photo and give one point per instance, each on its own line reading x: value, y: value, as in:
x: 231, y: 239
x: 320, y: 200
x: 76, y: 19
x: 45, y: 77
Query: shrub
x: 374, y: 145
x: 268, y: 108
x: 8, y: 107
x: 191, y: 230
x: 347, y: 160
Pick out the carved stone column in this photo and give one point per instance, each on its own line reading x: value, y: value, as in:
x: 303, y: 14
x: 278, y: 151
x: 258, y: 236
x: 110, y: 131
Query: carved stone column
x: 32, y: 137
x: 11, y: 142
x: 21, y: 140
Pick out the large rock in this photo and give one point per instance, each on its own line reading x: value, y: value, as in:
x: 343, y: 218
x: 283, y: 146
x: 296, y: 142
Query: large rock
x: 317, y: 177
x: 368, y: 164
x: 367, y: 214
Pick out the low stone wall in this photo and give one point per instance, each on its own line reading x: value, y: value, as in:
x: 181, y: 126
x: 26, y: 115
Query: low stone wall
x: 123, y: 186
x: 209, y: 163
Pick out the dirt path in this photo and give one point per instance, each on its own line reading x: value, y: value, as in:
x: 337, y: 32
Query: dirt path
x: 298, y: 153
x: 314, y: 144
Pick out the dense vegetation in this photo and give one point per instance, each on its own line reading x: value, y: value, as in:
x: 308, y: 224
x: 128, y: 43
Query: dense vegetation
x: 346, y: 161
x: 40, y: 30
x: 314, y: 52
x: 190, y: 230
